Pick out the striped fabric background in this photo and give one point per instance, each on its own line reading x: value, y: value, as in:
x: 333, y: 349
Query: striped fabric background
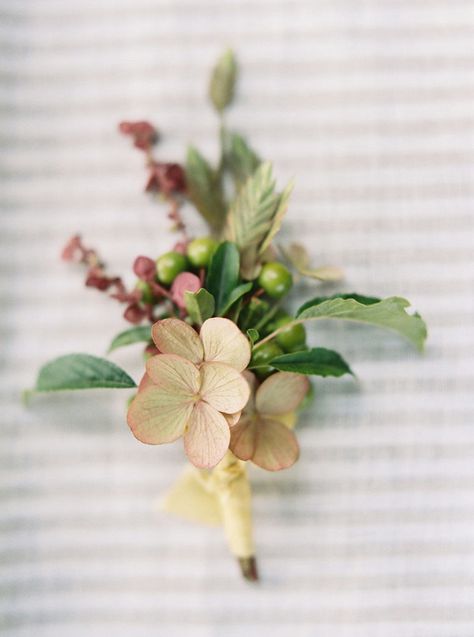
x: 370, y: 106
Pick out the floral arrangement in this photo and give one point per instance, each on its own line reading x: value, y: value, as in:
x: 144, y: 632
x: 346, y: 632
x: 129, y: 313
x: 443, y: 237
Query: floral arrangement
x: 227, y: 366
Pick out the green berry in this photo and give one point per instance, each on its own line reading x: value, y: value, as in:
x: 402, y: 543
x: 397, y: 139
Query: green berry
x: 291, y: 338
x: 275, y: 279
x: 261, y: 357
x: 169, y: 265
x: 145, y: 289
x: 200, y: 251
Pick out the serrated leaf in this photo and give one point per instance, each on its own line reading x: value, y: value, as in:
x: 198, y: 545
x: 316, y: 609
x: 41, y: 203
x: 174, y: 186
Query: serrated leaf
x: 253, y: 335
x: 222, y: 84
x: 204, y: 189
x: 240, y: 159
x: 200, y: 305
x: 223, y: 274
x: 251, y: 215
x: 360, y: 298
x: 318, y: 361
x: 81, y: 371
x: 389, y: 313
x: 138, y: 334
x: 280, y: 212
x: 236, y: 294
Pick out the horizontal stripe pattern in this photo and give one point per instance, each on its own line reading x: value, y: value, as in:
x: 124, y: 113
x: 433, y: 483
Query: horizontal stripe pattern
x: 370, y: 108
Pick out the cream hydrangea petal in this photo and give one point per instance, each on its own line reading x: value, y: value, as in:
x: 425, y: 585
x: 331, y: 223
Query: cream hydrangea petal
x: 175, y: 374
x: 173, y: 336
x: 280, y: 393
x: 223, y: 387
x: 232, y: 419
x: 268, y: 443
x: 156, y: 416
x: 207, y: 436
x: 243, y: 438
x: 224, y: 343
x: 276, y: 446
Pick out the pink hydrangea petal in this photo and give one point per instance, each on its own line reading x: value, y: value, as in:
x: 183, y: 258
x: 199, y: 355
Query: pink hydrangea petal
x: 145, y: 382
x: 280, y: 393
x: 267, y: 443
x: 175, y: 374
x: 157, y: 416
x: 243, y: 438
x: 173, y: 336
x: 224, y: 343
x: 184, y: 282
x: 223, y: 387
x: 207, y: 436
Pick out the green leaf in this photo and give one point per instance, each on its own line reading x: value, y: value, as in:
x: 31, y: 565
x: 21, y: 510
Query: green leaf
x: 139, y: 334
x: 277, y: 218
x: 389, y: 313
x: 253, y: 335
x: 236, y: 294
x: 251, y: 215
x: 81, y: 371
x: 318, y: 361
x: 204, y: 189
x: 200, y: 305
x: 223, y: 274
x: 240, y: 159
x: 364, y: 300
x: 253, y: 312
x: 222, y: 84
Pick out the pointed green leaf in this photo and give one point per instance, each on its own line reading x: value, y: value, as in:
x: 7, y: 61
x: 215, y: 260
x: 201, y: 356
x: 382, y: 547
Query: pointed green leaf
x: 240, y: 159
x: 200, y: 305
x: 277, y: 218
x: 138, y: 334
x: 253, y: 335
x: 389, y: 313
x: 223, y: 274
x: 222, y: 84
x: 318, y: 361
x: 236, y: 294
x: 251, y: 215
x: 81, y: 371
x: 204, y: 189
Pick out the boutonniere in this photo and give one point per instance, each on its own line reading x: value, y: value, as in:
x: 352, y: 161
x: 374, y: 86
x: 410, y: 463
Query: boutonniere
x: 227, y: 364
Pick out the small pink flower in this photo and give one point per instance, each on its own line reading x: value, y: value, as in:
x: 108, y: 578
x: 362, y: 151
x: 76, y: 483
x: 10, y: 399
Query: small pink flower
x: 166, y: 178
x: 144, y: 268
x: 184, y: 282
x: 262, y: 434
x: 143, y: 133
x: 194, y: 388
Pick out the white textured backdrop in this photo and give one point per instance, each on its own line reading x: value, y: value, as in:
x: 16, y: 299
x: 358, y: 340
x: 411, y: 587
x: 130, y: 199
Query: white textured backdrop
x: 369, y: 104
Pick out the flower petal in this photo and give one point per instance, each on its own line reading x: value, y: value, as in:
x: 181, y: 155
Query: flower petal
x: 280, y: 393
x: 207, y: 436
x: 145, y: 382
x: 243, y: 438
x: 173, y: 336
x: 268, y: 443
x: 156, y: 416
x: 223, y: 387
x: 224, y: 343
x: 175, y: 374
x: 232, y: 419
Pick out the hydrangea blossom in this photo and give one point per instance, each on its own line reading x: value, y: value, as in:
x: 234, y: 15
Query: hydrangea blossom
x: 194, y: 388
x: 262, y: 434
